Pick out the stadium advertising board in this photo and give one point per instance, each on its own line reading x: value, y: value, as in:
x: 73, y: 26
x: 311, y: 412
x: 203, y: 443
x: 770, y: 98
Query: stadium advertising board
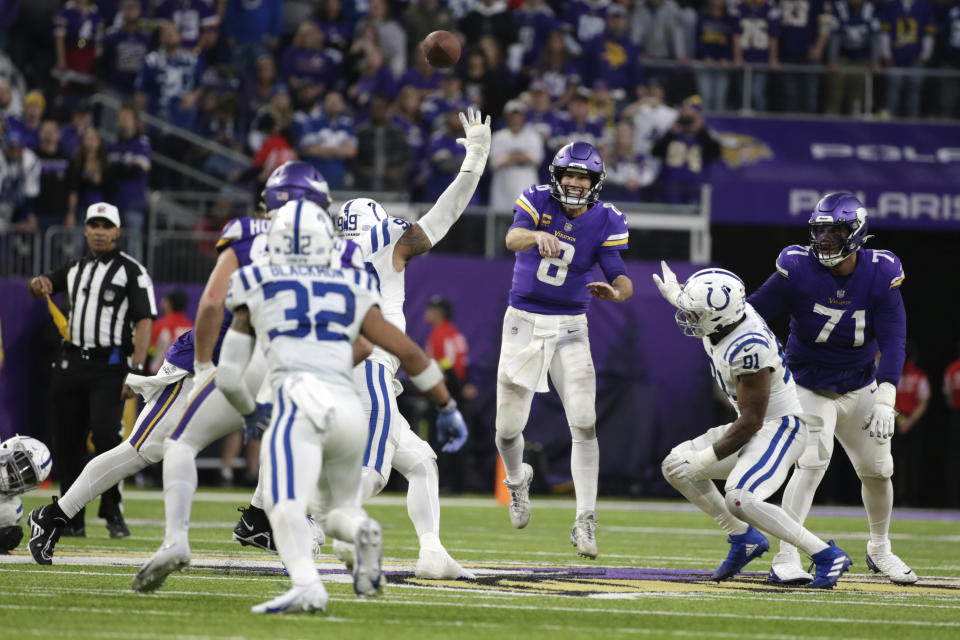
x: 773, y: 170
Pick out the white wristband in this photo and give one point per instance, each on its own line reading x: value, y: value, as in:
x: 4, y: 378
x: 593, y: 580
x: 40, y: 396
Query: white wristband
x: 428, y: 378
x: 474, y: 162
x: 706, y: 457
x: 886, y: 394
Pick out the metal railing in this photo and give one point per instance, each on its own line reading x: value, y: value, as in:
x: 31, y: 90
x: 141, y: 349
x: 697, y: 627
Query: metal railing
x: 745, y: 76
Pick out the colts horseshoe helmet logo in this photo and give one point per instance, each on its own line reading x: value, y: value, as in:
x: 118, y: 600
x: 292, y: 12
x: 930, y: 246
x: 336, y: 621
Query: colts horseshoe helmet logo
x: 726, y: 293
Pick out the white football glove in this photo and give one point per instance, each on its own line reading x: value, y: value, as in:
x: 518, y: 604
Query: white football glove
x: 477, y: 140
x: 689, y: 466
x: 669, y: 287
x: 882, y: 418
x: 202, y: 372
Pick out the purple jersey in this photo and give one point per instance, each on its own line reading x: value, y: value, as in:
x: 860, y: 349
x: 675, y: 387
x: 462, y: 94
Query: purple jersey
x: 558, y: 286
x: 132, y: 157
x: 534, y: 25
x: 799, y: 25
x: 853, y: 31
x: 907, y: 29
x: 311, y: 66
x: 615, y: 61
x: 838, y: 324
x: 192, y: 18
x: 587, y: 19
x: 714, y: 36
x: 123, y: 55
x: 757, y: 24
x: 414, y: 78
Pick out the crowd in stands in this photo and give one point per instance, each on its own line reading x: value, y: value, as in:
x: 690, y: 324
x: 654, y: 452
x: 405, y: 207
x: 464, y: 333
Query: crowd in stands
x: 344, y: 85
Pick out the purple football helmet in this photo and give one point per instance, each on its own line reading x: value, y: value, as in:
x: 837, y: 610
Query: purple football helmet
x: 838, y: 227
x: 292, y: 181
x: 578, y: 156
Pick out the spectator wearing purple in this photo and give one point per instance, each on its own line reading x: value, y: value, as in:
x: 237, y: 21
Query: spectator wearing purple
x: 259, y: 89
x: 584, y: 21
x: 327, y: 139
x: 851, y: 45
x: 423, y: 18
x: 197, y: 21
x: 756, y: 42
x: 713, y: 42
x: 34, y: 106
x: 72, y: 132
x: 337, y: 29
x: 307, y: 69
x: 542, y: 118
x: 375, y: 79
x: 421, y: 75
x: 534, y: 20
x: 628, y: 172
x: 389, y: 35
x: 408, y: 115
x: 558, y: 70
x: 444, y: 156
x: 907, y: 32
x: 111, y: 11
x: 128, y: 166
x: 578, y: 126
x: 613, y: 58
x: 687, y: 150
x: 383, y: 157
x: 251, y: 29
x: 124, y: 49
x: 52, y: 206
x: 89, y: 167
x: 804, y: 30
x: 169, y: 82
x: 450, y: 98
x: 489, y: 18
x: 77, y: 32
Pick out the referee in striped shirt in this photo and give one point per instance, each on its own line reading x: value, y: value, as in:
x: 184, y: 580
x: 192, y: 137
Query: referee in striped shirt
x: 112, y: 308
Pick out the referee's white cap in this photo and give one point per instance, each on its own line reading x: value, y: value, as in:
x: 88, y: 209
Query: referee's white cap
x: 103, y: 210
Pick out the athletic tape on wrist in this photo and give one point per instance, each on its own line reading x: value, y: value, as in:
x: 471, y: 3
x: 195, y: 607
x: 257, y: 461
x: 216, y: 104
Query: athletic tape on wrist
x: 428, y: 378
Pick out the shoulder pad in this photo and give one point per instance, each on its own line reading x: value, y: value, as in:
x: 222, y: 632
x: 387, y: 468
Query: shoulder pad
x: 243, y: 282
x: 532, y: 201
x: 748, y: 352
x: 887, y: 265
x: 792, y: 259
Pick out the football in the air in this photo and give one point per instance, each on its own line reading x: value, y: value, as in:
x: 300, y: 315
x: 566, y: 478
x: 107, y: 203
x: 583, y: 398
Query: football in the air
x: 442, y: 49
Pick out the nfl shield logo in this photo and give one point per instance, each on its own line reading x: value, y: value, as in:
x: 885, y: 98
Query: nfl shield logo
x: 514, y: 330
x: 567, y: 227
x: 841, y: 293
x: 108, y: 295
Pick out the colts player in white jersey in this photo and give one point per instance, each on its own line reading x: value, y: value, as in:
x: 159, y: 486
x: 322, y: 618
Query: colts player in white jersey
x: 388, y: 244
x: 170, y: 403
x: 24, y: 463
x: 756, y: 451
x: 307, y: 312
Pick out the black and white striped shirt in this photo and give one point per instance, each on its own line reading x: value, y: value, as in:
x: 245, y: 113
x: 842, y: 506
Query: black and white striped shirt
x: 108, y: 294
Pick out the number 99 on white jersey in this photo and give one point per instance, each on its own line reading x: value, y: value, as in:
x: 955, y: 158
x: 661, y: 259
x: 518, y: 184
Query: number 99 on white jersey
x: 306, y: 318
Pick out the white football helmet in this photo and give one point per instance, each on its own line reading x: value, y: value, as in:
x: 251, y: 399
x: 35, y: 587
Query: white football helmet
x: 25, y: 462
x: 301, y: 234
x: 358, y: 216
x: 710, y: 300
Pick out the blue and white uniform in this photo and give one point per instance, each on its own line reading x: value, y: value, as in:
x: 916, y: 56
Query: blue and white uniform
x: 762, y: 465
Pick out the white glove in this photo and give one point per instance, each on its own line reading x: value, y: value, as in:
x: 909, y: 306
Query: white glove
x: 669, y: 287
x: 477, y: 142
x: 690, y: 465
x: 202, y: 371
x: 882, y: 417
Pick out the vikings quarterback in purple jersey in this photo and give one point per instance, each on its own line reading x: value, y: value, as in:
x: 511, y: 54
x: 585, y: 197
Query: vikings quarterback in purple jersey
x: 560, y: 231
x: 167, y: 394
x: 845, y: 306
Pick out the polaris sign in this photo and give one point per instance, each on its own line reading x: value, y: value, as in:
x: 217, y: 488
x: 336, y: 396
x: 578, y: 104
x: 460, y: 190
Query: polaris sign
x: 907, y: 175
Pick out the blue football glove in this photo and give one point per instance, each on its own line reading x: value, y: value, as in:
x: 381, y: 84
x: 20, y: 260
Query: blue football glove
x: 257, y: 422
x: 451, y: 428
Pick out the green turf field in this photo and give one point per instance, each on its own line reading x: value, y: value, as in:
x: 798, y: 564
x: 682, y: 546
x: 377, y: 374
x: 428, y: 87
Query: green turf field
x: 532, y: 584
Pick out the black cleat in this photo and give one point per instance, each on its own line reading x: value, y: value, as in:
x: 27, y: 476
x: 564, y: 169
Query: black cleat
x: 45, y: 529
x: 254, y: 529
x: 116, y: 527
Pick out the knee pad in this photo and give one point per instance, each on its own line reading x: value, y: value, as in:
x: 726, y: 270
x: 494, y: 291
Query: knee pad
x: 881, y: 468
x: 581, y: 434
x: 508, y: 425
x: 739, y: 502
x: 817, y: 451
x: 372, y: 483
x: 10, y: 538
